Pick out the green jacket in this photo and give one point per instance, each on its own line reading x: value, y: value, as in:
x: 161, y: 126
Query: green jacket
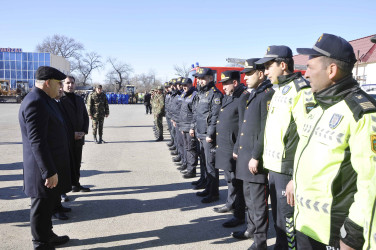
x: 288, y: 108
x: 98, y: 105
x: 158, y: 104
x: 334, y: 162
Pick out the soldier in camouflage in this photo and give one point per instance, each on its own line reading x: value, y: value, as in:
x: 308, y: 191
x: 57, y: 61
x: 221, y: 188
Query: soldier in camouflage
x: 158, y: 108
x: 98, y: 109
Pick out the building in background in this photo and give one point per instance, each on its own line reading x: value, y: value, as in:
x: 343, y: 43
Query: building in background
x: 17, y: 66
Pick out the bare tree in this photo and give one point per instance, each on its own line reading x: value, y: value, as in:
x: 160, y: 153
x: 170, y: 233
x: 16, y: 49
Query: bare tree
x: 119, y: 73
x: 61, y: 45
x: 182, y: 71
x: 86, y: 64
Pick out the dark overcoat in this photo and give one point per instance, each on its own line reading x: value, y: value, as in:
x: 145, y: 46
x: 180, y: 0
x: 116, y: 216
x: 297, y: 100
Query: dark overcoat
x: 250, y: 143
x: 45, y: 145
x: 228, y: 127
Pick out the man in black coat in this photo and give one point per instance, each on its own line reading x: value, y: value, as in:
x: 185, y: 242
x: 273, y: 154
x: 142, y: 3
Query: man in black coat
x: 248, y: 151
x: 78, y: 126
x: 147, y: 99
x: 45, y: 155
x: 204, y: 123
x: 227, y: 132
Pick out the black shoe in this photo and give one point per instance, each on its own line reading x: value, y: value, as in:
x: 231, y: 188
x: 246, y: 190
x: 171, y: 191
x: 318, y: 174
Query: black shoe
x: 234, y: 222
x: 223, y: 209
x: 201, y: 185
x: 95, y: 139
x: 202, y: 193
x: 189, y: 175
x: 80, y: 188
x: 184, y: 171
x: 210, y: 198
x: 242, y: 235
x: 60, y: 216
x: 64, y: 198
x: 58, y: 240
x: 176, y: 159
x: 196, y: 182
x: 182, y: 167
x: 64, y: 209
x: 172, y: 148
x: 170, y: 144
x: 175, y: 152
x: 159, y: 139
x: 261, y: 247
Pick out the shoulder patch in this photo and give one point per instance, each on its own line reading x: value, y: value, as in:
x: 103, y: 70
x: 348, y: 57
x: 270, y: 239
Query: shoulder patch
x: 286, y: 89
x: 301, y: 83
x: 373, y: 143
x: 217, y: 101
x: 361, y: 103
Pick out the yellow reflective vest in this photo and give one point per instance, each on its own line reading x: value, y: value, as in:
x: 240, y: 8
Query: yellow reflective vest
x: 288, y: 108
x: 334, y: 162
x: 370, y: 217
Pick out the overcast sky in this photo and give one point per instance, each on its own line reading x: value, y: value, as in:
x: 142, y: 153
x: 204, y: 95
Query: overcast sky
x: 157, y: 34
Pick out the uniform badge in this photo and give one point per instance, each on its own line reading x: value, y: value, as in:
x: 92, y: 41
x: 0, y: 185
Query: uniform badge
x: 335, y: 120
x: 309, y: 106
x: 267, y: 105
x: 373, y: 143
x: 286, y: 89
x: 217, y: 101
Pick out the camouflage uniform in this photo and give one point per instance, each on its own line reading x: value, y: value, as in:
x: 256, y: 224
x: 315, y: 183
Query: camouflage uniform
x: 158, y: 108
x: 98, y: 109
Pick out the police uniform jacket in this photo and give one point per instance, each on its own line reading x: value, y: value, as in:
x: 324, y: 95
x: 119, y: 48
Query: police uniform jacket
x: 206, y: 112
x: 334, y: 163
x: 288, y: 109
x: 77, y: 116
x: 250, y: 143
x: 186, y: 110
x: 167, y: 103
x: 174, y: 95
x: 228, y: 127
x: 45, y: 145
x: 176, y: 106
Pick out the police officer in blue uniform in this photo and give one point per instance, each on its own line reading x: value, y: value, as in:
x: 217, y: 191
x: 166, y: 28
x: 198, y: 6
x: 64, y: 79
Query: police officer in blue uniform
x: 226, y: 137
x: 185, y: 120
x: 204, y: 124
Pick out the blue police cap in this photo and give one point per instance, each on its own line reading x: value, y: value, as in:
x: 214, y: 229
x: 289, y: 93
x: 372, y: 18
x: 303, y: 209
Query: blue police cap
x: 331, y: 46
x: 230, y: 75
x: 201, y: 72
x: 275, y: 51
x: 186, y: 81
x: 250, y: 64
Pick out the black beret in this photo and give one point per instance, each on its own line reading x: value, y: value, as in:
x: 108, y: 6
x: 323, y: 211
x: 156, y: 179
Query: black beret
x: 46, y: 73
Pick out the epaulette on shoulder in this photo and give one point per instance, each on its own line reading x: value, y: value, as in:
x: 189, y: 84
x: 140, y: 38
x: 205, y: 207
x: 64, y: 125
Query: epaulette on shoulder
x: 301, y: 83
x: 360, y: 103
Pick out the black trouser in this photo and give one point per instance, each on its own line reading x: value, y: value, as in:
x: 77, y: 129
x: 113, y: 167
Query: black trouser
x: 178, y: 140
x: 212, y: 174
x: 190, y: 147
x: 77, y: 157
x: 148, y: 108
x: 256, y: 199
x: 235, y: 197
x: 40, y: 219
x: 282, y: 212
x: 305, y: 242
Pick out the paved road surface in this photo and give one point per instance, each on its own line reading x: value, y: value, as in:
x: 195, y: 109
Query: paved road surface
x: 138, y: 200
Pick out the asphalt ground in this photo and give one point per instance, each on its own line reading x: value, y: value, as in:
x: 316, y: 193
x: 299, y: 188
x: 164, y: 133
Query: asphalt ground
x: 138, y: 199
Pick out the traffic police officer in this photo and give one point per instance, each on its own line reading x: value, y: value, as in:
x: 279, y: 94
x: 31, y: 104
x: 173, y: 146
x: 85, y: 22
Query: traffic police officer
x: 204, y: 127
x: 185, y: 120
x: 248, y: 152
x: 288, y: 107
x: 333, y: 170
x: 226, y: 137
x: 370, y: 210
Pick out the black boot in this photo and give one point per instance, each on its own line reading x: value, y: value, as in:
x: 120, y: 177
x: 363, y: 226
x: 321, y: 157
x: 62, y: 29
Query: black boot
x: 100, y: 140
x: 95, y: 139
